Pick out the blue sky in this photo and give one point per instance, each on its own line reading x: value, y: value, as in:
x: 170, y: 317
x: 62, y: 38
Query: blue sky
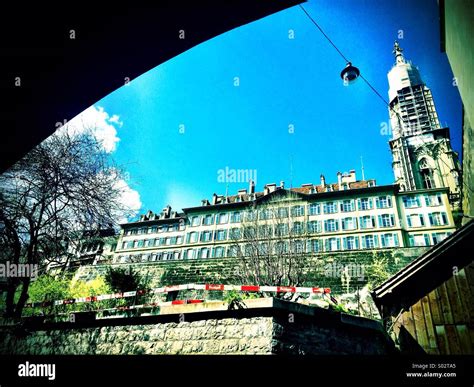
x: 282, y: 82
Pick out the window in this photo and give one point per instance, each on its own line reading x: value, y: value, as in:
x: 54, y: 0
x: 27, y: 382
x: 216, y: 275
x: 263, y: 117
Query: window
x: 297, y: 247
x: 176, y: 254
x: 411, y: 201
x: 383, y: 202
x: 369, y: 241
x: 206, y: 236
x: 219, y: 252
x: 124, y: 245
x: 173, y: 240
x: 314, y: 226
x: 173, y: 227
x: 433, y: 200
x: 415, y: 220
x: 233, y: 251
x: 162, y: 241
x: 438, y: 218
x: 265, y: 231
x: 281, y: 230
x: 426, y: 174
x: 389, y: 240
x: 195, y: 220
x: 419, y: 240
x: 297, y: 211
x: 179, y: 239
x: 190, y: 254
x: 263, y: 248
x: 128, y: 232
x: 162, y: 228
x: 347, y: 206
x: 281, y: 247
x: 386, y: 220
x: 349, y: 223
x: 250, y: 232
x: 367, y: 221
x: 266, y: 214
x: 235, y: 217
x: 192, y: 237
x: 282, y: 212
x: 298, y: 228
x: 157, y: 242
x: 204, y: 253
x: 331, y: 225
x: 221, y: 235
x: 330, y: 207
x: 248, y: 250
x: 147, y: 243
x: 250, y: 216
x: 167, y: 241
x: 223, y: 218
x: 350, y: 243
x: 234, y: 233
x: 333, y: 244
x: 314, y: 246
x: 135, y: 244
x: 314, y: 209
x: 207, y: 220
x: 364, y: 204
x: 438, y: 237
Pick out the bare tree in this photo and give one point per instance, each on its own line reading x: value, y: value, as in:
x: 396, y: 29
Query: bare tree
x: 65, y: 185
x: 273, y: 243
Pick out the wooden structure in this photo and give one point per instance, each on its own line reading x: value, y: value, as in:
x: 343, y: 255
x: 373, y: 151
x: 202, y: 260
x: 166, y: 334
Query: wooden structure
x: 429, y: 305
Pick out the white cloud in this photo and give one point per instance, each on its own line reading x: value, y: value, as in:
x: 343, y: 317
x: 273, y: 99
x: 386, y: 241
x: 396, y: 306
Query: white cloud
x: 100, y: 123
x: 130, y: 198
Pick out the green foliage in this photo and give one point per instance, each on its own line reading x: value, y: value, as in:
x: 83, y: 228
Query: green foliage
x: 377, y: 272
x: 236, y: 296
x: 49, y: 288
x: 123, y: 279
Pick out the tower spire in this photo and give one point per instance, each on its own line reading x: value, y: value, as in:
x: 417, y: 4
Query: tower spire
x: 398, y: 51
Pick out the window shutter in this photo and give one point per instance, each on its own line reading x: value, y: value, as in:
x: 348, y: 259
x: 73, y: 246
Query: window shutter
x: 338, y: 243
x: 427, y: 239
x: 422, y: 220
x: 344, y: 243
x: 380, y: 221
x: 409, y: 220
x: 377, y: 202
x: 392, y: 220
x: 359, y: 205
x: 395, y: 239
x: 389, y: 200
x: 356, y: 242
x: 336, y: 223
x: 445, y: 218
x: 430, y: 216
x: 382, y: 240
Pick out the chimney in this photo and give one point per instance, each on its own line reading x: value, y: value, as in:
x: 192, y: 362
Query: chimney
x: 166, y: 211
x: 251, y: 186
x: 282, y: 184
x: 204, y: 202
x: 214, y: 199
x: 266, y: 190
x: 339, y: 181
x: 323, y: 181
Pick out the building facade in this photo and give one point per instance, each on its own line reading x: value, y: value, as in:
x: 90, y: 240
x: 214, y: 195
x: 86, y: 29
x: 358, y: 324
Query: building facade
x: 421, y: 150
x: 347, y: 215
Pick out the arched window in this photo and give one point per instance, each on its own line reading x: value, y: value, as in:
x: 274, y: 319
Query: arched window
x: 426, y: 174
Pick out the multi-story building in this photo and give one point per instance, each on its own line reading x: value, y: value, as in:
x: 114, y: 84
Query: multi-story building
x: 89, y: 248
x: 421, y: 150
x: 347, y: 215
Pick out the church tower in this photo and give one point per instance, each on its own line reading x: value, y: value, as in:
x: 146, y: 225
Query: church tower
x: 421, y: 148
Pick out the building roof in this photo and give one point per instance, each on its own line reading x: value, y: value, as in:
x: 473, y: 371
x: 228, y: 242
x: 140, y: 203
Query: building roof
x: 426, y: 273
